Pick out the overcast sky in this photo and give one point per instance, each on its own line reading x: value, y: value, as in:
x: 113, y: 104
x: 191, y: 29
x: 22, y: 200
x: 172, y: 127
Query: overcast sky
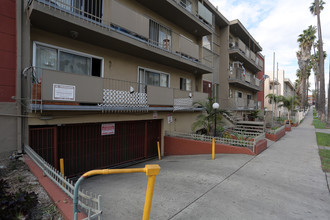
x: 276, y: 24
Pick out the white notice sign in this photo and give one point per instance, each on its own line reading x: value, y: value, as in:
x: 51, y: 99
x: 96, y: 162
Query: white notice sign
x: 108, y: 129
x: 64, y: 92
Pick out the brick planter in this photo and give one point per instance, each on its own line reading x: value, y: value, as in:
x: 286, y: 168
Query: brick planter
x: 277, y: 136
x: 288, y: 127
x: 182, y: 146
x: 260, y: 146
x: 294, y: 125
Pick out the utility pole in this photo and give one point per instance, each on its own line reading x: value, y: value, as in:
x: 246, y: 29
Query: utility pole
x: 276, y: 90
x: 273, y: 90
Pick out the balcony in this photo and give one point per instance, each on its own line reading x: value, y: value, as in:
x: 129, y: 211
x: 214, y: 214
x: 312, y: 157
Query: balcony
x: 67, y: 91
x: 238, y: 104
x: 238, y: 79
x: 195, y: 20
x: 121, y: 29
x: 238, y: 51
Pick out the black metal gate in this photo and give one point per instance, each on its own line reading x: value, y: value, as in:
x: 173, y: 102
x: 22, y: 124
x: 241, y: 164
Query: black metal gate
x: 83, y: 147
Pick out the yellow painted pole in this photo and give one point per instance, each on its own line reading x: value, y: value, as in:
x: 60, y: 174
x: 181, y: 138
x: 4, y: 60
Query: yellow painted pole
x: 159, y: 156
x: 151, y: 171
x: 62, y: 168
x: 213, y: 148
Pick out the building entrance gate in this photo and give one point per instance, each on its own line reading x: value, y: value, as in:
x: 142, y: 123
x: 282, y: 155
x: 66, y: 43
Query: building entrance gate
x: 96, y: 145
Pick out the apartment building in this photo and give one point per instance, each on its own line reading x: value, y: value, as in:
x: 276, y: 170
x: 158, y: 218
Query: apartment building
x: 100, y: 82
x: 261, y: 77
x: 103, y: 80
x: 282, y: 87
x: 10, y: 102
x: 244, y: 75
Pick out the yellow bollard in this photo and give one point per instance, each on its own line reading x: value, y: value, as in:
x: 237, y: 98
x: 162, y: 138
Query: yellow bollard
x: 213, y: 148
x: 151, y: 171
x: 62, y: 168
x: 159, y: 156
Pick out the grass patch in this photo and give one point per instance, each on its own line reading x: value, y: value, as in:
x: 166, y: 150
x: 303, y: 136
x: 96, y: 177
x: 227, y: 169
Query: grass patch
x: 323, y: 139
x: 318, y: 124
x: 325, y: 160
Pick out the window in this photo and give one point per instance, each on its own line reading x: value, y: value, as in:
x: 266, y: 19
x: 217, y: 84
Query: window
x: 186, y: 4
x: 270, y: 101
x: 207, y: 42
x: 185, y: 84
x: 230, y: 93
x: 154, y: 78
x: 239, y: 94
x: 270, y: 87
x: 159, y: 35
x: 249, y: 96
x: 54, y: 58
x: 231, y: 68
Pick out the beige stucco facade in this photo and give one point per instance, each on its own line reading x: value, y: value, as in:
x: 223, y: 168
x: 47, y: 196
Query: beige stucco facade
x: 282, y: 87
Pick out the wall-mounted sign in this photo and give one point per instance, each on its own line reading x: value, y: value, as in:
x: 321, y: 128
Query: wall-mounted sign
x: 64, y: 92
x: 169, y: 119
x: 155, y: 115
x: 108, y: 129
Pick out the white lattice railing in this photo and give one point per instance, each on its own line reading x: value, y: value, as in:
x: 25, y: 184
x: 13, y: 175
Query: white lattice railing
x: 250, y: 144
x: 89, y: 202
x: 117, y: 98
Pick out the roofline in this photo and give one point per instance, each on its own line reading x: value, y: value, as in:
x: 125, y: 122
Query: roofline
x: 216, y: 11
x: 236, y: 21
x: 287, y: 80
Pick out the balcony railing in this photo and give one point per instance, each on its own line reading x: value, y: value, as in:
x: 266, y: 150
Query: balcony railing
x: 237, y: 76
x: 248, y: 54
x: 201, y: 12
x: 60, y: 88
x: 236, y: 103
x: 128, y: 22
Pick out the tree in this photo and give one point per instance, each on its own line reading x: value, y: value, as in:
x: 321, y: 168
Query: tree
x: 205, y: 120
x: 306, y: 40
x: 314, y: 62
x: 275, y: 98
x: 289, y: 103
x: 315, y: 9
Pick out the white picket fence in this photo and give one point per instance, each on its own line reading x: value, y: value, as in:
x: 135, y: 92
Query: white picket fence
x: 89, y: 202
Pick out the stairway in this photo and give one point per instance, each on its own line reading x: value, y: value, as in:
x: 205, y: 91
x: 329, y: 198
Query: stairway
x: 249, y: 126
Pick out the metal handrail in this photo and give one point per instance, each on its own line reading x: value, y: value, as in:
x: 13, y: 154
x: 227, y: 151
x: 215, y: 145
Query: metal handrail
x: 150, y: 170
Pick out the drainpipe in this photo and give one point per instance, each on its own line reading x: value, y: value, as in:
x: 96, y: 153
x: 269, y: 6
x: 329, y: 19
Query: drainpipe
x: 18, y: 76
x: 25, y: 62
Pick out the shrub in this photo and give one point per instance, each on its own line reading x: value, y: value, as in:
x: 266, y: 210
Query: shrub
x: 15, y: 205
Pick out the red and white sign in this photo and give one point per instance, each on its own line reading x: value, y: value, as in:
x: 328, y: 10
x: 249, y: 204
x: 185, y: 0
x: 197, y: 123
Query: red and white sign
x: 108, y: 129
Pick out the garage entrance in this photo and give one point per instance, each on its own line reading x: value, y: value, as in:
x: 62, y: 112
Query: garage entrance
x: 96, y: 145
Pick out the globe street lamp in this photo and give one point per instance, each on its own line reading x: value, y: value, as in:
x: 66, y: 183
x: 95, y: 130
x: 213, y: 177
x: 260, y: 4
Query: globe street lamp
x: 215, y: 106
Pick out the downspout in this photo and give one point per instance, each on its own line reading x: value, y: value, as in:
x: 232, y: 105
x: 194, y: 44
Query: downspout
x: 25, y: 62
x: 18, y: 75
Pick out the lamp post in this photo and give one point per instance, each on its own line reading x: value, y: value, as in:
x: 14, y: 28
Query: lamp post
x: 215, y: 106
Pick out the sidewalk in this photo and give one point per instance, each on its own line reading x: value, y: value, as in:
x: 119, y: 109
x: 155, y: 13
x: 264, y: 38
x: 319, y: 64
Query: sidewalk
x: 284, y: 182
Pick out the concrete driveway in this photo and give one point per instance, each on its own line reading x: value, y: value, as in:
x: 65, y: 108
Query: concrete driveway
x: 283, y: 182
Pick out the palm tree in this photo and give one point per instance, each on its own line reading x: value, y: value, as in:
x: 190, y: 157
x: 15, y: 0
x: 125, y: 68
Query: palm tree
x: 316, y: 8
x: 205, y: 120
x: 314, y: 62
x: 276, y: 99
x: 306, y: 40
x: 289, y: 103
